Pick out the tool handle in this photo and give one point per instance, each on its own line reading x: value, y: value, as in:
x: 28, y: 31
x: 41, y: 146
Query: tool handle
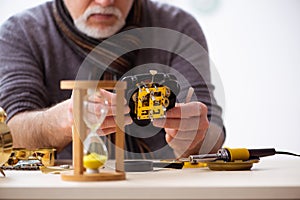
x: 261, y: 152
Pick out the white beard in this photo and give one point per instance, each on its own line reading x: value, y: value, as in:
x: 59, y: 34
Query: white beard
x: 99, y: 32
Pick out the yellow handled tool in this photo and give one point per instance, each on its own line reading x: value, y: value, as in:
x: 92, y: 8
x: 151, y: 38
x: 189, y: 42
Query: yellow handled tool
x: 229, y: 155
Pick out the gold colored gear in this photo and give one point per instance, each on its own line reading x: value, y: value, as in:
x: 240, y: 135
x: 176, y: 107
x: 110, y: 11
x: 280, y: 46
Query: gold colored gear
x: 2, y: 115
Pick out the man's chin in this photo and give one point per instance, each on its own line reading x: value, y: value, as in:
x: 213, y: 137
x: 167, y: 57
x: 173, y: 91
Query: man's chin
x: 100, y: 31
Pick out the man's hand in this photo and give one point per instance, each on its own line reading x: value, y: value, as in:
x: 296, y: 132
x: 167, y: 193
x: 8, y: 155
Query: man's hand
x: 42, y: 128
x: 185, y: 126
x: 109, y: 124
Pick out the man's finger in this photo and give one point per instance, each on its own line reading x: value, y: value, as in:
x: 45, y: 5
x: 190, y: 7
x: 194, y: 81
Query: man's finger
x: 186, y: 135
x: 111, y: 97
x: 182, y: 145
x: 186, y: 110
x: 107, y: 131
x: 110, y: 122
x: 112, y: 110
x: 186, y: 124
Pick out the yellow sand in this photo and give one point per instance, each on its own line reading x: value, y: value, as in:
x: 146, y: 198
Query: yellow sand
x: 94, y: 161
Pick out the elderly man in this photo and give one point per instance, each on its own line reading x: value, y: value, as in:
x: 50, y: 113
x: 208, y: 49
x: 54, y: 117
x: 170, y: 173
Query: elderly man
x: 46, y: 44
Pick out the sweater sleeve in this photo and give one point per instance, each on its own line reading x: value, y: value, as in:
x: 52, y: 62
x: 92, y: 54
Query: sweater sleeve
x: 21, y: 76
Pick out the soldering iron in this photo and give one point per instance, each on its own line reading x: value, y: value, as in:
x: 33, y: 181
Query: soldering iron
x: 232, y: 154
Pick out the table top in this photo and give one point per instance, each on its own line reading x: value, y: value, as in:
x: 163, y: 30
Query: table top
x: 268, y: 179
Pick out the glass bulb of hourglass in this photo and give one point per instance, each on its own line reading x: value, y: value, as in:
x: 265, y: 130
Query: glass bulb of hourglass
x: 95, y: 109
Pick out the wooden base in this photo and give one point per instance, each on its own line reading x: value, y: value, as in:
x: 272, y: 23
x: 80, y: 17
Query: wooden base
x: 103, y: 176
x: 79, y: 130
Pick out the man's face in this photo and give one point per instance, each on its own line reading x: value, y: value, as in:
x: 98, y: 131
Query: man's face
x: 99, y: 18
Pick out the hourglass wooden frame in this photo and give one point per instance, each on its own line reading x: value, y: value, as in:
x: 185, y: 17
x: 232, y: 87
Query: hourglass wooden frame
x: 79, y: 130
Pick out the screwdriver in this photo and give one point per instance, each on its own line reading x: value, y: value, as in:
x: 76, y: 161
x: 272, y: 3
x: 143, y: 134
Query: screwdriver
x: 232, y: 154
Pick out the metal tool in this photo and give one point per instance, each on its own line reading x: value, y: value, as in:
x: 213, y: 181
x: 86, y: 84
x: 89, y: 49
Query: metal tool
x: 230, y: 155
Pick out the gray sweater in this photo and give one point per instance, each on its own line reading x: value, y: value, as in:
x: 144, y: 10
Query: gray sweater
x: 34, y: 58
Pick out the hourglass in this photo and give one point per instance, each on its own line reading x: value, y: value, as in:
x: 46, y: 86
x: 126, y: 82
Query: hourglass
x: 89, y: 151
x: 95, y: 108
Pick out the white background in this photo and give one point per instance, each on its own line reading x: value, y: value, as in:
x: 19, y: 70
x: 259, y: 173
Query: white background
x: 255, y: 46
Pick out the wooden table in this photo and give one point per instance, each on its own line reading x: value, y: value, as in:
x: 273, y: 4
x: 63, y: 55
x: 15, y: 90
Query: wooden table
x: 271, y: 178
